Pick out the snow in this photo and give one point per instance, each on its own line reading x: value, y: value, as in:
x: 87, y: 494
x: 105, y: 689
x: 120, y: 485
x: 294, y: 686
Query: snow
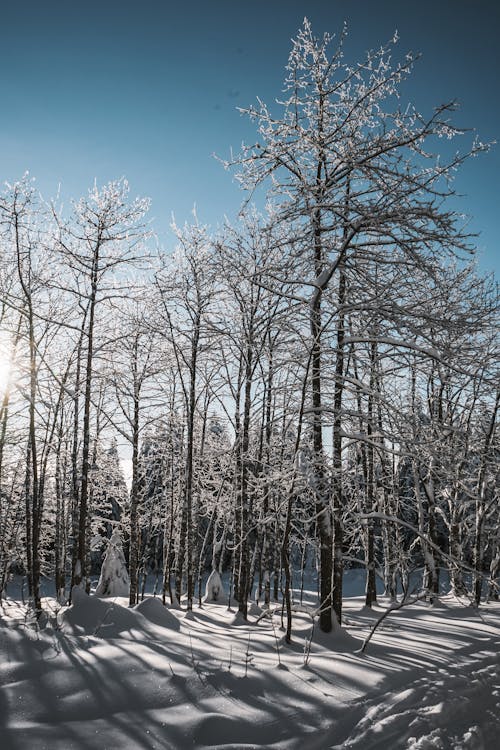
x: 153, y: 610
x: 214, y: 589
x: 114, y: 579
x: 103, y: 675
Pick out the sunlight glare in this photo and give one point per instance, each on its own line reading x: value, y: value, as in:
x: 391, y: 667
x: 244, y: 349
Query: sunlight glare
x: 5, y: 362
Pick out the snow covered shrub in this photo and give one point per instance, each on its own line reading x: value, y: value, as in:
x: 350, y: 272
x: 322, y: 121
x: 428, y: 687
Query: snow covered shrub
x: 114, y: 579
x: 214, y: 589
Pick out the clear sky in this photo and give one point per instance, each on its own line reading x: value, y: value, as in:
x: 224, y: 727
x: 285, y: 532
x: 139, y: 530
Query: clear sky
x: 148, y: 89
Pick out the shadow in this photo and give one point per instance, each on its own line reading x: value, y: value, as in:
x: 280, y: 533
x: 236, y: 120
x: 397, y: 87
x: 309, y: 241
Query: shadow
x: 139, y: 685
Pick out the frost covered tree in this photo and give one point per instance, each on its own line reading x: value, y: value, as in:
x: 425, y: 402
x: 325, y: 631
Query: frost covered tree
x: 26, y: 230
x: 185, y: 291
x: 244, y: 321
x: 102, y: 239
x: 350, y: 172
x: 133, y: 370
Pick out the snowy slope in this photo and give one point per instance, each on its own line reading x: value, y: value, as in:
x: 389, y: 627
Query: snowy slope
x: 104, y: 676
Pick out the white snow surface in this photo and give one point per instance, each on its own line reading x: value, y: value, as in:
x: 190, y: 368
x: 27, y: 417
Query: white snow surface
x: 103, y: 676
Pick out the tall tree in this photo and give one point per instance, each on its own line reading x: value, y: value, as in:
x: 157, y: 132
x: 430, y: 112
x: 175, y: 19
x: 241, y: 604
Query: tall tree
x: 350, y: 175
x: 186, y: 289
x: 99, y: 245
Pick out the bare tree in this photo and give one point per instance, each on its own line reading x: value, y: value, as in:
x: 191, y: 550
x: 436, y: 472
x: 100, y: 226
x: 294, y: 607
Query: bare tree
x: 186, y: 290
x: 351, y: 175
x: 102, y: 241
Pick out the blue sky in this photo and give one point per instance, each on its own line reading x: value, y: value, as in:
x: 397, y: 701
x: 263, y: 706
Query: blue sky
x: 149, y: 90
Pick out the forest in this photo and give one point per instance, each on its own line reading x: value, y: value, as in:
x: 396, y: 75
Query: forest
x: 309, y: 388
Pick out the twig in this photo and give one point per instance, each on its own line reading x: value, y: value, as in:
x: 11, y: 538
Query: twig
x: 403, y: 603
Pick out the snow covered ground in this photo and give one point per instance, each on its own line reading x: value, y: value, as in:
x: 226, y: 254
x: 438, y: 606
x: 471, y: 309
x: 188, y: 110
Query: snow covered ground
x: 101, y: 676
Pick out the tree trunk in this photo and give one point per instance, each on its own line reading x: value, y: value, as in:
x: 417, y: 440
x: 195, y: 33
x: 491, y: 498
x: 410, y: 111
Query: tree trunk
x: 80, y: 572
x: 134, y: 494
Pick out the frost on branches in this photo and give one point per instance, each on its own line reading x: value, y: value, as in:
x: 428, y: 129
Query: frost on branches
x: 114, y: 579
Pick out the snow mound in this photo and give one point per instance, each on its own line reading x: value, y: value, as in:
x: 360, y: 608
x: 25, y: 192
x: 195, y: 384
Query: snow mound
x: 89, y: 615
x: 337, y: 640
x: 238, y: 620
x: 255, y: 610
x: 153, y: 610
